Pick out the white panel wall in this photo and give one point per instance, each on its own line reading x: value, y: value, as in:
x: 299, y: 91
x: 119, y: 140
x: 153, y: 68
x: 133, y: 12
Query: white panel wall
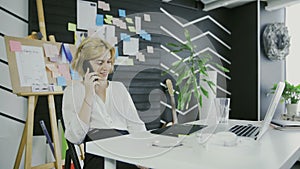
x: 12, y: 105
x: 5, y: 78
x: 18, y: 7
x: 2, y: 49
x: 13, y: 26
x: 293, y: 59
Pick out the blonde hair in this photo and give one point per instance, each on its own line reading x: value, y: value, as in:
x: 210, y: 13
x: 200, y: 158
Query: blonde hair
x: 91, y: 48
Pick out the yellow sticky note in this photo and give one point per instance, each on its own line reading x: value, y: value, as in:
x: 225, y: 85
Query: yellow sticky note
x: 131, y: 29
x: 109, y: 17
x: 108, y: 21
x: 129, y: 20
x: 71, y: 27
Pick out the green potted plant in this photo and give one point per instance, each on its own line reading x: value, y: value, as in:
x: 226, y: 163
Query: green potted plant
x: 291, y: 97
x: 189, y: 69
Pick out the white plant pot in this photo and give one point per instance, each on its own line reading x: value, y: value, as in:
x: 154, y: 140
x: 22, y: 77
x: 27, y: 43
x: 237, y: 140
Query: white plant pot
x: 292, y: 109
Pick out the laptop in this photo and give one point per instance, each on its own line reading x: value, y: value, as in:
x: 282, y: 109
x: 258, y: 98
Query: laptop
x: 257, y: 132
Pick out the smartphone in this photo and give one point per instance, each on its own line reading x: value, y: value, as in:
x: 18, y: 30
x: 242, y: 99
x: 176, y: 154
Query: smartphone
x: 86, y: 65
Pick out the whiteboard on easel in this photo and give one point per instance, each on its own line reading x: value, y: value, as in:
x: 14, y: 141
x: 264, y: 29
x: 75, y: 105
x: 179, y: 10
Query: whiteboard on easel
x: 31, y: 62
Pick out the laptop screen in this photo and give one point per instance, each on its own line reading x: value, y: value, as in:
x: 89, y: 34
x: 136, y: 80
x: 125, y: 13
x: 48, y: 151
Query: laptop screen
x: 271, y: 110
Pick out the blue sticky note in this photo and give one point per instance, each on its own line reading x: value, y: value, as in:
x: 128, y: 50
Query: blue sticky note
x: 142, y: 32
x: 74, y: 74
x: 147, y: 37
x: 124, y: 37
x: 117, y: 52
x: 61, y: 81
x: 122, y: 13
x: 99, y: 20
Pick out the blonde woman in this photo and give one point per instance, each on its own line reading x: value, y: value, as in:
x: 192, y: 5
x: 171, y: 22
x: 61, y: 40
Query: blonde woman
x: 97, y: 108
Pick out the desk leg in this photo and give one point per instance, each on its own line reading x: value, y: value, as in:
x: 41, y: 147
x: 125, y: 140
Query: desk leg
x: 110, y: 163
x: 53, y: 122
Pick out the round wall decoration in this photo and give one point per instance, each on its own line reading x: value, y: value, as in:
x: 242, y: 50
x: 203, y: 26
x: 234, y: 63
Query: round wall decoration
x: 276, y: 41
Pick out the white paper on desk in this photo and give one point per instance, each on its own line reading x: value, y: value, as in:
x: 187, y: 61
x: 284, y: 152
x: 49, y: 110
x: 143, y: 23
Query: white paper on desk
x: 131, y: 47
x: 31, y: 66
x: 86, y: 14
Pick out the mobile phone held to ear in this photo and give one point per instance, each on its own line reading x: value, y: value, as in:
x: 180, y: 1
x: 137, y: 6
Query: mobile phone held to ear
x: 86, y: 65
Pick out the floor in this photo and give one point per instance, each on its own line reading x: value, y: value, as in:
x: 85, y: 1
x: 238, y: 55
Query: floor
x: 296, y: 166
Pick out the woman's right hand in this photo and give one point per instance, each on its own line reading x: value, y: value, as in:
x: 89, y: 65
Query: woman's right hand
x: 90, y: 80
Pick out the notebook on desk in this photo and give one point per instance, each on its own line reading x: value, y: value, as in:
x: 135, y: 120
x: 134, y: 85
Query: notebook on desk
x: 257, y: 132
x: 178, y: 129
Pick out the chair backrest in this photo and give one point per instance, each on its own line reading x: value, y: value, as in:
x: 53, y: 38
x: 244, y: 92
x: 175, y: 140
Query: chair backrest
x: 71, y: 154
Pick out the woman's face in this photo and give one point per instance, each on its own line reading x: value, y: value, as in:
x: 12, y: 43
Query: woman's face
x: 102, y: 65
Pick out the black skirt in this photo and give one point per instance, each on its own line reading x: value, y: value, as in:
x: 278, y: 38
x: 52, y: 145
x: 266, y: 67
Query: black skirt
x: 92, y: 161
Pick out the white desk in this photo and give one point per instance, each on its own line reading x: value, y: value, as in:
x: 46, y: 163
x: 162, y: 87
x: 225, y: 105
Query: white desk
x: 276, y: 149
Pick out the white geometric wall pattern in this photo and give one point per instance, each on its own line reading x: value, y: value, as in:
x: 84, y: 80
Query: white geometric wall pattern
x: 175, y: 28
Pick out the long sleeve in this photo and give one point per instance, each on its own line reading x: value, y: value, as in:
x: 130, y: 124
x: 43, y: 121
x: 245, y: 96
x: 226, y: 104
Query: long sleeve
x: 76, y: 129
x: 127, y: 108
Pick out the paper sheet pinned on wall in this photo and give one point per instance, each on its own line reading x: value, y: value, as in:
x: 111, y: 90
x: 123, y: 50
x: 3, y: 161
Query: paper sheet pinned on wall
x: 140, y: 57
x: 54, y: 70
x: 15, y: 46
x: 150, y: 49
x: 86, y: 14
x: 131, y: 47
x: 104, y: 6
x: 147, y: 18
x: 51, y: 50
x: 29, y: 60
x: 138, y: 25
x: 125, y: 61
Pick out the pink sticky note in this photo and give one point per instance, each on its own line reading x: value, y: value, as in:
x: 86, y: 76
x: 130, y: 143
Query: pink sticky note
x: 15, y: 46
x: 64, y: 70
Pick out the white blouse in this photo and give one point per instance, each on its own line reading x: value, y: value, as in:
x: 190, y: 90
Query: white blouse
x: 118, y: 111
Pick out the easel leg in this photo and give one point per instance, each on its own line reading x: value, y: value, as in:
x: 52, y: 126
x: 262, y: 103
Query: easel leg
x: 27, y: 135
x: 52, y: 114
x: 21, y: 148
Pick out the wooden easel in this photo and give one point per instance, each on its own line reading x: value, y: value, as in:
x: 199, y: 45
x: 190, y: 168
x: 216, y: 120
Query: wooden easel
x: 26, y: 141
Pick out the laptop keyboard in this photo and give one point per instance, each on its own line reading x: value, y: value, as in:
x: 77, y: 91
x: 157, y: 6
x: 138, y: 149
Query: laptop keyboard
x: 245, y: 130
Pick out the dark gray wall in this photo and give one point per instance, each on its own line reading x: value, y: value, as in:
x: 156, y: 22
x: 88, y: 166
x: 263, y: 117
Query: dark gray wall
x: 244, y: 62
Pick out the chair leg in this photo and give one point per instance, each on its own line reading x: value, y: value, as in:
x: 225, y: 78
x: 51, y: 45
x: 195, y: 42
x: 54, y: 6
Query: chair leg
x: 68, y: 160
x: 73, y: 155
